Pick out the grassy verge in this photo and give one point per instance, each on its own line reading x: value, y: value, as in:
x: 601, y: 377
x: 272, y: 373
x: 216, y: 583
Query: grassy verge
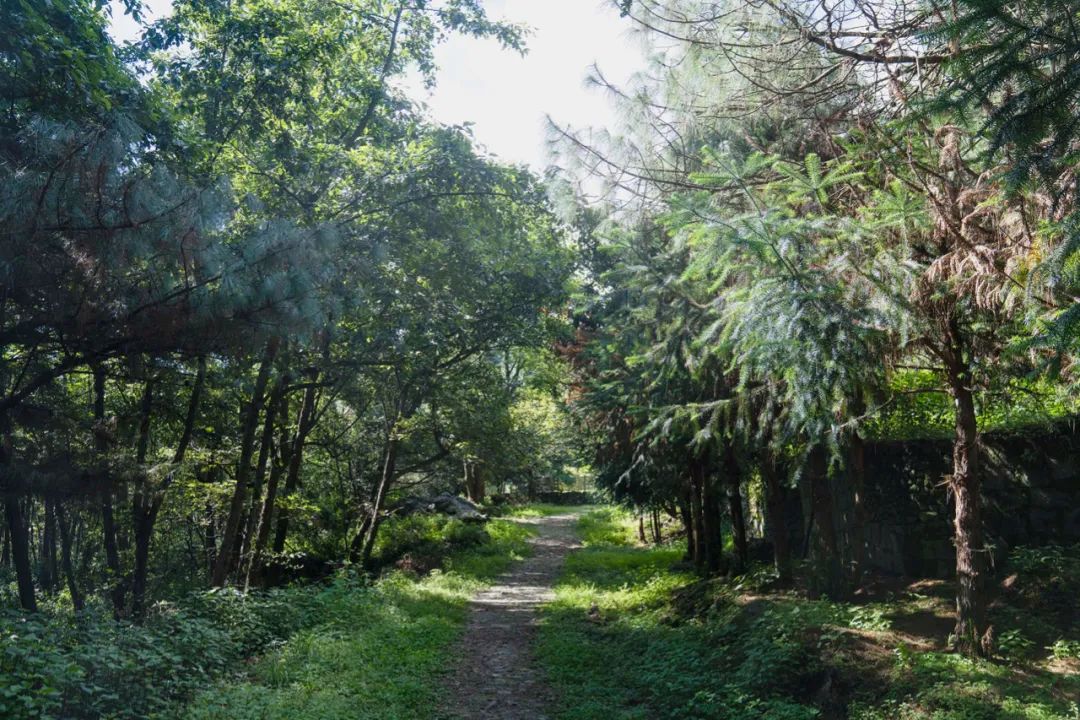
x: 632, y: 636
x: 377, y: 651
x: 535, y: 510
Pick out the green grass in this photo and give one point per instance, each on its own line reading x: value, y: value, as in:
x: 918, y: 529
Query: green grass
x: 536, y: 510
x: 633, y: 636
x: 379, y: 651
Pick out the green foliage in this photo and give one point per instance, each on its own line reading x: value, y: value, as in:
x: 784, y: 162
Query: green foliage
x: 426, y: 536
x: 609, y: 644
x: 91, y: 666
x: 632, y: 636
x: 376, y: 651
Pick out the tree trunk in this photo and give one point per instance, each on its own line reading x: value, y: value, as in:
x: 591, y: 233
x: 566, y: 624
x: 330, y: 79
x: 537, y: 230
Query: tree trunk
x: 657, y: 539
x: 973, y: 636
x: 735, y: 507
x: 389, y: 467
x: 856, y: 471
x: 266, y: 449
x: 149, y: 504
x: 117, y: 591
x: 142, y: 505
x: 305, y: 423
x: 20, y: 551
x: 697, y: 547
x: 49, y: 575
x: 474, y: 482
x: 266, y: 512
x: 711, y: 543
x: 826, y: 552
x: 687, y: 517
x: 226, y: 557
x: 641, y: 528
x: 777, y: 509
x: 65, y: 558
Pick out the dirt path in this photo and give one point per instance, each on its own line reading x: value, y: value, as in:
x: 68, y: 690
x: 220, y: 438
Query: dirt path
x: 496, y: 677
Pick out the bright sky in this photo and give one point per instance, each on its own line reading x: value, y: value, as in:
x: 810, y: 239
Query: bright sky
x: 506, y: 96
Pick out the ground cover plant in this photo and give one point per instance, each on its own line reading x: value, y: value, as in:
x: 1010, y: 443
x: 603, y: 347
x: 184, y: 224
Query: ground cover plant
x: 634, y: 633
x: 312, y: 650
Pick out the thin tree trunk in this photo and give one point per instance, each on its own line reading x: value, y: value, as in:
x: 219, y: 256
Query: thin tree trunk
x: 266, y: 445
x: 49, y: 575
x: 141, y: 502
x: 735, y: 508
x: 973, y: 635
x: 226, y: 557
x: 108, y: 519
x: 687, y: 518
x: 641, y: 528
x: 65, y: 558
x: 826, y: 554
x: 266, y: 515
x: 697, y: 548
x: 148, y: 504
x: 305, y: 423
x: 856, y: 467
x: 711, y: 543
x: 776, y: 507
x: 20, y: 551
x: 474, y: 482
x: 5, y: 551
x: 657, y: 539
x: 389, y: 467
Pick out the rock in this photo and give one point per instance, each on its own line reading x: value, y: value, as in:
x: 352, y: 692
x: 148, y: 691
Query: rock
x: 444, y: 504
x: 458, y: 507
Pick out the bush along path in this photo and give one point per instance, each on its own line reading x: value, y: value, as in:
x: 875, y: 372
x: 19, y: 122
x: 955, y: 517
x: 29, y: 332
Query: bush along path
x: 496, y: 676
x: 377, y: 650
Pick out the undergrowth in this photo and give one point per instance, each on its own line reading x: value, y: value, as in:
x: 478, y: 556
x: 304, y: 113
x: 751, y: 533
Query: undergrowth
x: 351, y: 648
x: 632, y: 636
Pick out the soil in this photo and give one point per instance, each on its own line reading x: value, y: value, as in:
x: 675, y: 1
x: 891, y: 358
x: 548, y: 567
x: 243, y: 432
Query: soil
x: 497, y: 676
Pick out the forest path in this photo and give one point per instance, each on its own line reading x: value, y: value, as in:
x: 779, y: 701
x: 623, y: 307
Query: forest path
x: 496, y: 676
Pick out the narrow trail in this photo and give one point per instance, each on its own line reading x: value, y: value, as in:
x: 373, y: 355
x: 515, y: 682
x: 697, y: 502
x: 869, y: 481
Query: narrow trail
x: 496, y: 676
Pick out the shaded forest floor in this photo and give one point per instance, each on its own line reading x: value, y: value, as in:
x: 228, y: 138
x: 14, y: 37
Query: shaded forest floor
x: 558, y: 614
x: 630, y: 635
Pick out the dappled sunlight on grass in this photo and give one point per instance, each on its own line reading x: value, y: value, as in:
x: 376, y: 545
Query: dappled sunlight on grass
x: 537, y: 510
x: 379, y: 651
x: 632, y: 635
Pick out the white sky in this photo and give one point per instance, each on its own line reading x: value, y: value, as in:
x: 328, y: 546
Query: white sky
x: 505, y: 96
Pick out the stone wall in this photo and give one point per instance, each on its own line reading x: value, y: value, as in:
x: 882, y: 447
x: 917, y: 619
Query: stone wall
x: 1031, y: 492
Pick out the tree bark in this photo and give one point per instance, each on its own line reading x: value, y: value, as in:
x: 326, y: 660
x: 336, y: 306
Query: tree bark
x: 829, y: 581
x: 856, y: 471
x: 697, y: 548
x: 776, y: 507
x: 226, y: 557
x: 973, y: 636
x: 735, y: 507
x: 49, y: 575
x: 117, y: 591
x: 65, y: 558
x: 266, y: 515
x: 711, y: 544
x: 474, y: 482
x: 389, y: 467
x: 20, y: 551
x: 687, y: 517
x: 148, y: 505
x: 304, y: 425
x: 266, y: 447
